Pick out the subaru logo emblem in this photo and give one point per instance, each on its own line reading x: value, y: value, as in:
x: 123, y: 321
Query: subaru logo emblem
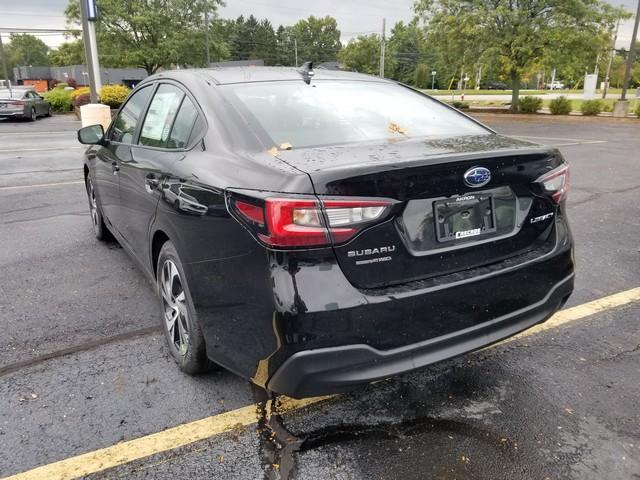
x: 477, y: 177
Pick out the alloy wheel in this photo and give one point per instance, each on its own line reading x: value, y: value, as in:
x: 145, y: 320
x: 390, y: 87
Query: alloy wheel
x: 174, y: 307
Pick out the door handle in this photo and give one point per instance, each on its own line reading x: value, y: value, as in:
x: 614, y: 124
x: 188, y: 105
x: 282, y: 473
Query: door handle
x: 115, y: 167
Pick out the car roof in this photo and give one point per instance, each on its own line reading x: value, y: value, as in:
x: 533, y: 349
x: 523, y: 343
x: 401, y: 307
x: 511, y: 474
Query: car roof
x: 247, y: 74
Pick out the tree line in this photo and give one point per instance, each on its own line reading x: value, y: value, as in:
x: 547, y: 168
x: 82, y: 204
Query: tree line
x: 467, y: 43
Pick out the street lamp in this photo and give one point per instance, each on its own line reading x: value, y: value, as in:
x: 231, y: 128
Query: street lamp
x: 631, y: 57
x: 433, y: 79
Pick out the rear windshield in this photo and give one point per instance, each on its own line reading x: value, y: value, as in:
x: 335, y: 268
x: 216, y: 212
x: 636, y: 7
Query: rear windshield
x: 17, y: 93
x: 335, y: 112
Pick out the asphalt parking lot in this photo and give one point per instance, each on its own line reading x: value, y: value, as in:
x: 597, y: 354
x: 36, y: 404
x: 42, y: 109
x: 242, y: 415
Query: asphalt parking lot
x: 88, y: 388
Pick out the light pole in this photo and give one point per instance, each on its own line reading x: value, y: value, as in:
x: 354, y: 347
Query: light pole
x: 89, y: 15
x: 607, y: 78
x: 631, y: 57
x: 433, y: 79
x: 382, y: 47
x: 206, y: 33
x: 4, y: 67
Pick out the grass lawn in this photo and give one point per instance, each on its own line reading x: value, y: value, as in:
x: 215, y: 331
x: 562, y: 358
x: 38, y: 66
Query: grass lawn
x: 575, y: 104
x: 508, y: 92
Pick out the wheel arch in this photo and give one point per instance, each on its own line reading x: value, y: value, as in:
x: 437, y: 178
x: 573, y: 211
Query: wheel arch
x: 158, y: 240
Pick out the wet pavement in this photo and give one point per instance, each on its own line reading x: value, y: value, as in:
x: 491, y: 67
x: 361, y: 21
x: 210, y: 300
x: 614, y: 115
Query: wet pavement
x: 83, y: 365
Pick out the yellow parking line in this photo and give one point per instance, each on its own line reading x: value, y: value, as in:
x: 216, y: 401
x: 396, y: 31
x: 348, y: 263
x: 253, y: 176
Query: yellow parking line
x: 582, y: 311
x: 169, y: 439
x: 192, y: 432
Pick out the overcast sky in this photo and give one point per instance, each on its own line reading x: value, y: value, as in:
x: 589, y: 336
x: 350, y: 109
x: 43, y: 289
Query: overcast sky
x: 354, y: 17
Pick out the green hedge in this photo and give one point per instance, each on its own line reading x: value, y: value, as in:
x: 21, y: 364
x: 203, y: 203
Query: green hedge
x: 460, y: 105
x: 59, y: 99
x: 114, y: 95
x: 591, y: 107
x: 638, y: 108
x: 530, y: 104
x: 560, y: 106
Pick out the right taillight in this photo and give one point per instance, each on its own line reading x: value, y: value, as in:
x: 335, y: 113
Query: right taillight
x: 306, y: 221
x: 556, y: 183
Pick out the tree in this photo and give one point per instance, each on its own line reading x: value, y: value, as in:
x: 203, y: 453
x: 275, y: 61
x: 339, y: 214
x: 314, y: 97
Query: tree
x: 406, y: 49
x: 25, y: 49
x: 318, y: 39
x: 69, y: 53
x: 285, y: 48
x: 265, y: 44
x: 149, y: 33
x: 362, y: 54
x: 517, y: 33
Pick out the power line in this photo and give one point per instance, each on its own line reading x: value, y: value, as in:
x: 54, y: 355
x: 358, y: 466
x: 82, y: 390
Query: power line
x: 37, y: 30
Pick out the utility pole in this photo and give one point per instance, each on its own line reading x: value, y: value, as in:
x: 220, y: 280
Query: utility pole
x: 206, y: 33
x: 631, y: 57
x: 295, y: 48
x: 89, y: 15
x: 382, y: 47
x: 607, y: 78
x: 4, y: 65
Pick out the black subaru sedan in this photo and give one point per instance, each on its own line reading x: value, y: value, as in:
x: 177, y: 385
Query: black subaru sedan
x: 316, y: 230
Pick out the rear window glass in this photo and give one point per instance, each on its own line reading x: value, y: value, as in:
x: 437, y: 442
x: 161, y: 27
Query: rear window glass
x: 332, y: 112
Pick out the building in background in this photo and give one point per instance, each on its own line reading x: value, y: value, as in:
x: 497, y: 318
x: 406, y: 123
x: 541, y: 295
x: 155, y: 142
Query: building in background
x: 43, y: 78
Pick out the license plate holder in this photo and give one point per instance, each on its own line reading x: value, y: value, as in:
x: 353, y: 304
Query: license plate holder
x: 464, y: 217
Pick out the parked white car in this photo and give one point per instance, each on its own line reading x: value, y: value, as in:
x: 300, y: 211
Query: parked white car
x: 556, y: 85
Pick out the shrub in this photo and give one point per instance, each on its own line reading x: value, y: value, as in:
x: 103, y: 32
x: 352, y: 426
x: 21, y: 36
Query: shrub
x: 59, y: 99
x: 80, y: 100
x: 560, y: 106
x: 113, y: 95
x: 530, y: 104
x: 460, y: 105
x: 591, y: 107
x: 638, y: 108
x: 79, y: 91
x: 81, y: 96
x: 607, y: 107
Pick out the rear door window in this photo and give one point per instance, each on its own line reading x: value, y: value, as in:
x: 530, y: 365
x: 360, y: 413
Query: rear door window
x: 124, y: 126
x: 183, y: 125
x: 161, y: 116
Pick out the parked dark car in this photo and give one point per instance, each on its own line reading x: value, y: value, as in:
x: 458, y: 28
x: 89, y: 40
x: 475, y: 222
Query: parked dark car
x: 497, y: 86
x: 23, y: 102
x: 315, y: 232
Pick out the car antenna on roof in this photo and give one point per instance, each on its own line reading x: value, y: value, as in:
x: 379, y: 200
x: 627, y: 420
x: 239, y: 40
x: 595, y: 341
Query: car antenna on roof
x: 307, y: 72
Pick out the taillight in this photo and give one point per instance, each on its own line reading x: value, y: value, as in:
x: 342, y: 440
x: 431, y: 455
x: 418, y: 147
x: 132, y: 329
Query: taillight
x: 556, y: 183
x: 307, y: 221
x: 17, y: 103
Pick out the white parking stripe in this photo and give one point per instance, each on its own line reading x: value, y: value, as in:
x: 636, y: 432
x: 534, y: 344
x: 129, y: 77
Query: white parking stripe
x: 41, y: 185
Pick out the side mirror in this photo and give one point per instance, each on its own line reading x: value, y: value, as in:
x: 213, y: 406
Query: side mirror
x: 91, y: 135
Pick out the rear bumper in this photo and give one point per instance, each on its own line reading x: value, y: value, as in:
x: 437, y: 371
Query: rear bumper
x: 334, y: 369
x: 10, y: 113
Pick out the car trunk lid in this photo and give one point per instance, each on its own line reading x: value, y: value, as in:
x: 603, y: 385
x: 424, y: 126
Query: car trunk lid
x: 440, y: 224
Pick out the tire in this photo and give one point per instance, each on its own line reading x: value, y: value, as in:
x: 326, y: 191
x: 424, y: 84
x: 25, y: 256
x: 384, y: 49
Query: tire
x: 49, y: 112
x: 34, y: 115
x: 99, y: 228
x: 179, y: 322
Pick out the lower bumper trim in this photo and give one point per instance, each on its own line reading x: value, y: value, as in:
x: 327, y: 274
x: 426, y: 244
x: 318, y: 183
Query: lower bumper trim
x: 336, y: 369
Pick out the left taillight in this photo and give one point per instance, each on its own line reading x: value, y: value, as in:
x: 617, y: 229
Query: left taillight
x: 556, y: 183
x: 306, y: 221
